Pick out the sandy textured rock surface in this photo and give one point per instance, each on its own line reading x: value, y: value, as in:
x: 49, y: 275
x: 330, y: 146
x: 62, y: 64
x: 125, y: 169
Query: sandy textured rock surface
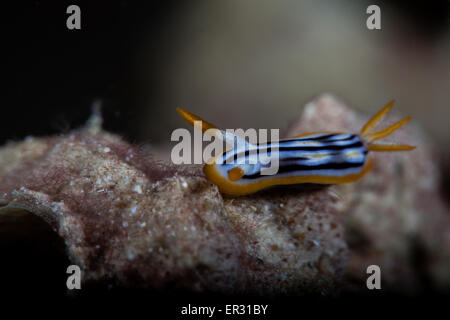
x: 131, y: 221
x: 394, y: 216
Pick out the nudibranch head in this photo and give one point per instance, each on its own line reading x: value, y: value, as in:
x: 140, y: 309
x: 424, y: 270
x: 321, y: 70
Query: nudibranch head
x: 228, y: 170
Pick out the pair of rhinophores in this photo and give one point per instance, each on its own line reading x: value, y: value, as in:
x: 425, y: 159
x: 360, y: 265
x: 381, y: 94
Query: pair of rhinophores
x: 319, y: 157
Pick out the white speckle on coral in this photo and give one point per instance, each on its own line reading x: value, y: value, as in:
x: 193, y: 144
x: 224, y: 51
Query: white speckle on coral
x: 281, y: 205
x: 142, y: 224
x: 106, y: 150
x: 125, y: 224
x: 184, y: 184
x: 291, y: 245
x: 137, y: 188
x: 133, y: 210
x: 193, y: 229
x: 130, y: 255
x: 97, y: 246
x: 172, y: 234
x: 316, y: 243
x: 370, y: 197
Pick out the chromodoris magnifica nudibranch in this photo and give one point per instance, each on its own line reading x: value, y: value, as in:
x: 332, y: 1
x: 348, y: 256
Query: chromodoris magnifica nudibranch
x: 319, y: 158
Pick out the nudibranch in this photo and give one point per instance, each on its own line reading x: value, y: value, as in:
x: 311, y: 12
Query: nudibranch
x: 318, y: 157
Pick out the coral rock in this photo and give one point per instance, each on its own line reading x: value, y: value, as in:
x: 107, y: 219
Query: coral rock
x: 130, y: 221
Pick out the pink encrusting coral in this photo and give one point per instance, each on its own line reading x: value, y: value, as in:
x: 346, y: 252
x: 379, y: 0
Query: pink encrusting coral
x: 132, y: 221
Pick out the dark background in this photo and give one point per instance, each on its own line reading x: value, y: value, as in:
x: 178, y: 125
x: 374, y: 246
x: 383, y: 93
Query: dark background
x: 54, y: 74
x: 125, y: 52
